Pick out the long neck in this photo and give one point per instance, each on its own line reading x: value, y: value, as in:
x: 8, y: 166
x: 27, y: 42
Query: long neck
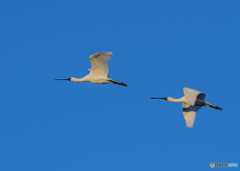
x: 73, y: 79
x: 180, y: 100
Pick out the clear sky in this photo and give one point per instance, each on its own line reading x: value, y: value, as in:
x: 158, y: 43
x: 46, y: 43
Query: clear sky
x: 158, y: 48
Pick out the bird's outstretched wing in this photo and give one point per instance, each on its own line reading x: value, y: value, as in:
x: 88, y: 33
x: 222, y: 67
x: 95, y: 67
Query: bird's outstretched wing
x: 99, y: 63
x: 189, y: 113
x: 192, y: 95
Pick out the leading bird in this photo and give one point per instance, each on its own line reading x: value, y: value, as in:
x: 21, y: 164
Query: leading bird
x: 99, y: 71
x: 192, y: 102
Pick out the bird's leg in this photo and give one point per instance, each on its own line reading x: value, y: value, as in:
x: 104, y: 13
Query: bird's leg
x: 115, y: 82
x: 214, y: 107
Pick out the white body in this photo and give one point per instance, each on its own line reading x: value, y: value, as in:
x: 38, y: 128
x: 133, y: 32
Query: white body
x: 99, y: 71
x: 192, y: 102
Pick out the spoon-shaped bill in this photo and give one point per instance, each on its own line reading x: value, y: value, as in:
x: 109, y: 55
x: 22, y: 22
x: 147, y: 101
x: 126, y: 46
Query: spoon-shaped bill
x: 64, y: 79
x: 159, y: 98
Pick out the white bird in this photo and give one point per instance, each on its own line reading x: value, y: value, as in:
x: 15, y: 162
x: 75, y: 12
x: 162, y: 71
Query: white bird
x: 192, y: 102
x: 99, y: 71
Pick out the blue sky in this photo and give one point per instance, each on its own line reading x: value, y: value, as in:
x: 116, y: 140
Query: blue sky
x: 158, y: 48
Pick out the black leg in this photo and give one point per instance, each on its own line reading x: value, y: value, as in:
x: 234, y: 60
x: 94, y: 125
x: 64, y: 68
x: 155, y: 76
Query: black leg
x: 216, y: 107
x: 121, y: 83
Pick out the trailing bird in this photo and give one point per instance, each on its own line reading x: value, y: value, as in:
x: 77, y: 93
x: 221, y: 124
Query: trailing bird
x: 99, y: 70
x: 192, y: 102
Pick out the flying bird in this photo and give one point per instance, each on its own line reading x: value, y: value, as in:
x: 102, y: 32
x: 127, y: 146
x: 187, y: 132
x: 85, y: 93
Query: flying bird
x: 99, y: 71
x: 192, y: 102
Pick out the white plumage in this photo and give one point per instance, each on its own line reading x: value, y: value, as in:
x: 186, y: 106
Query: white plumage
x: 99, y: 70
x: 192, y: 102
x: 99, y: 63
x: 193, y: 95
